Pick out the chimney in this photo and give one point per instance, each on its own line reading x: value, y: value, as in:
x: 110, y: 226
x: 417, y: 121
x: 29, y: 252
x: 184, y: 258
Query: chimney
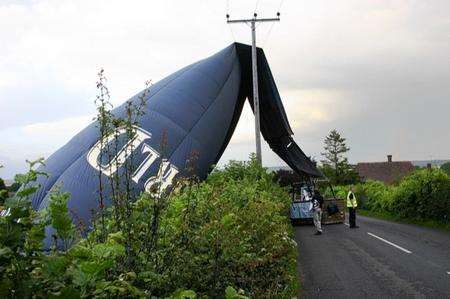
x: 389, y: 158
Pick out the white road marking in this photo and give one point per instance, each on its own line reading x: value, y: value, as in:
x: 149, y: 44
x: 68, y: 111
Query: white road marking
x: 448, y: 272
x: 390, y: 243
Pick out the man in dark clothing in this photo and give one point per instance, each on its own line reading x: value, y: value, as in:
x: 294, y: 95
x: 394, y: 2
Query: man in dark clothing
x: 317, y: 203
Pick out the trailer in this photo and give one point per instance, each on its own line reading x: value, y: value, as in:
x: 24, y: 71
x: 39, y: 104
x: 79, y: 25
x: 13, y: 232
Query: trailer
x: 333, y: 211
x: 301, y: 205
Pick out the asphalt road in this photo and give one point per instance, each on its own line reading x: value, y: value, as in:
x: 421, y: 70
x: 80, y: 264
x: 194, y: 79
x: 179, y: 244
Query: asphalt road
x: 380, y: 259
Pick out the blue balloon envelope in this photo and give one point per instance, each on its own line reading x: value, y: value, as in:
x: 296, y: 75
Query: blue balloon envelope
x: 195, y: 111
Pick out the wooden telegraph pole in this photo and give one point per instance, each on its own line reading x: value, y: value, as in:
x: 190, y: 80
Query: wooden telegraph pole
x: 252, y: 23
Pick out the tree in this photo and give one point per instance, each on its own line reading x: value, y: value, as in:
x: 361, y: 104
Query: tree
x: 14, y: 187
x: 3, y: 190
x: 446, y: 167
x: 2, y: 184
x: 335, y: 166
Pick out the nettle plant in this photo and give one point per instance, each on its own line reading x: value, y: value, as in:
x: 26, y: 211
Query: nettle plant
x: 118, y: 142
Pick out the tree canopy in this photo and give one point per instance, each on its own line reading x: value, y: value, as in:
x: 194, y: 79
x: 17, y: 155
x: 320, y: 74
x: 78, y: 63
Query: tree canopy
x: 446, y: 167
x: 335, y: 165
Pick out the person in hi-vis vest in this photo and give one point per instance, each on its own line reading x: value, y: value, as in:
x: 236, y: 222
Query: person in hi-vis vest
x: 351, y: 205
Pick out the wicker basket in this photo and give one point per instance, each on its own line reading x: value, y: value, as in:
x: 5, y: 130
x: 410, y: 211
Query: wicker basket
x: 338, y: 217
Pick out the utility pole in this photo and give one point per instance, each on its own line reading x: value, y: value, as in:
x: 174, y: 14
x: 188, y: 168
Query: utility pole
x: 252, y: 23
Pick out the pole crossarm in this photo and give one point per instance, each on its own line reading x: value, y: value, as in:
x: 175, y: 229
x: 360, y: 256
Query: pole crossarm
x: 254, y: 20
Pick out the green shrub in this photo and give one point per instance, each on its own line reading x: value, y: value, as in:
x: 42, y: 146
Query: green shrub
x: 3, y: 192
x: 446, y: 167
x: 233, y: 230
x: 374, y: 195
x: 2, y: 184
x: 339, y: 191
x: 227, y: 237
x: 22, y: 232
x: 14, y: 187
x: 425, y: 194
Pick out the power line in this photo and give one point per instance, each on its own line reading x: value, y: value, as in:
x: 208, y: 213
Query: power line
x: 267, y: 35
x: 233, y: 37
x: 256, y: 6
x: 266, y: 38
x: 232, y: 34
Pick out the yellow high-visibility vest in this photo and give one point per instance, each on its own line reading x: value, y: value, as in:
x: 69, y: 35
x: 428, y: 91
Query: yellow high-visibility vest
x: 351, y: 203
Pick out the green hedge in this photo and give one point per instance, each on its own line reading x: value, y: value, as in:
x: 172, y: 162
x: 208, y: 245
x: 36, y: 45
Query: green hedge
x: 237, y: 234
x: 229, y: 237
x: 423, y: 195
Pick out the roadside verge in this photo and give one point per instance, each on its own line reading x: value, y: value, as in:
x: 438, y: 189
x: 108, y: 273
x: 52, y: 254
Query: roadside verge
x: 444, y: 226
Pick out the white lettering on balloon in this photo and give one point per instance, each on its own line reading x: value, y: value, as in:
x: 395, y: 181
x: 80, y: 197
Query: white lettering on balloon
x: 148, y: 161
x: 164, y: 177
x: 166, y: 172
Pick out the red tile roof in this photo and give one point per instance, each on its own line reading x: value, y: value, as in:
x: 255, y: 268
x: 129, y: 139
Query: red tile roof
x: 387, y: 172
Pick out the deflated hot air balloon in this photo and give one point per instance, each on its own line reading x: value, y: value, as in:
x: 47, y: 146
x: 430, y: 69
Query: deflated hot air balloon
x: 197, y: 108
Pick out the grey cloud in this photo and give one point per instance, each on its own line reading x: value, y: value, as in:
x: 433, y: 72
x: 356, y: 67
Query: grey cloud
x: 383, y: 64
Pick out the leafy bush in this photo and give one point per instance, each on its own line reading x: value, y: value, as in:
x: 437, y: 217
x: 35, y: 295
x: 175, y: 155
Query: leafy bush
x: 374, y: 195
x: 3, y: 192
x: 2, y: 184
x: 226, y: 237
x: 14, y: 187
x: 233, y: 230
x: 446, y: 167
x: 21, y: 240
x: 425, y: 194
x: 340, y: 191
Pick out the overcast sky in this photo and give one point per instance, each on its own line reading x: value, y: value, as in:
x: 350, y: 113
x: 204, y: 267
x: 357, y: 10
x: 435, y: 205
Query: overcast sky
x: 377, y: 71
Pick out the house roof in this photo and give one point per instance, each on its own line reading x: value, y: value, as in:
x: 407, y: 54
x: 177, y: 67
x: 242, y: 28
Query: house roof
x: 387, y: 172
